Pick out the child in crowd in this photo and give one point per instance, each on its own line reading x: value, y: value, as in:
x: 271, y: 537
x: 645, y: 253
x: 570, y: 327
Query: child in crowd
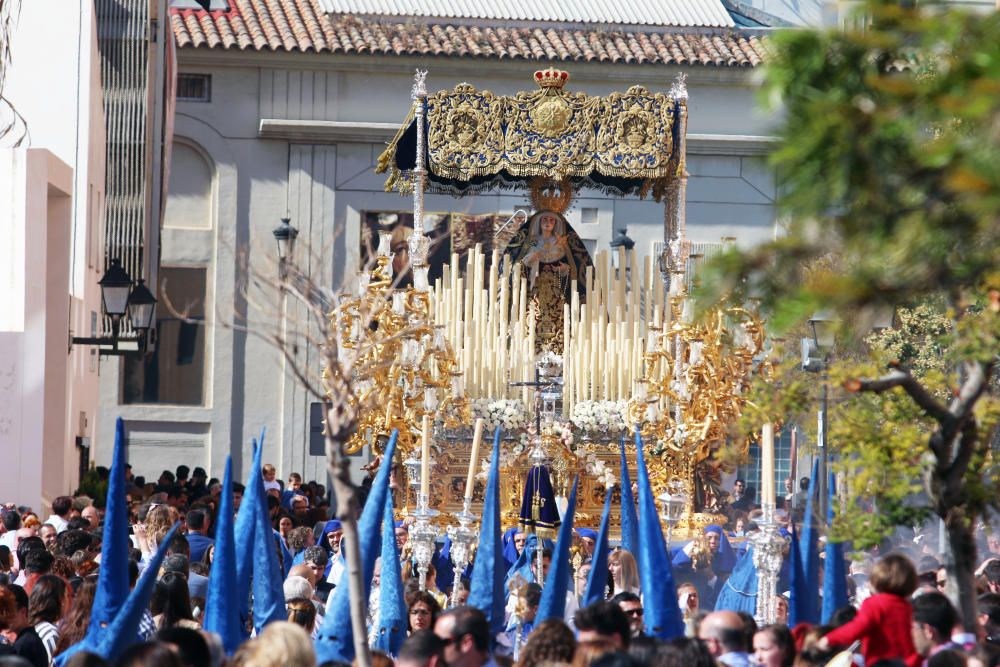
x: 885, y: 620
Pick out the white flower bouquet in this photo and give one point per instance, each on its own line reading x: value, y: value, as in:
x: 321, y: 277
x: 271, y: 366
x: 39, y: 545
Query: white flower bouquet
x: 509, y: 414
x: 599, y: 415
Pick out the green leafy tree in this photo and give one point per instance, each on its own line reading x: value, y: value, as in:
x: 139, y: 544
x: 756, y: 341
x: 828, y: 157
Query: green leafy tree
x: 889, y: 167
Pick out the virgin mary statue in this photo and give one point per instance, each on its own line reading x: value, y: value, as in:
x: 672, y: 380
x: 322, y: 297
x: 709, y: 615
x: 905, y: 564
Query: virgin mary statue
x: 553, y: 257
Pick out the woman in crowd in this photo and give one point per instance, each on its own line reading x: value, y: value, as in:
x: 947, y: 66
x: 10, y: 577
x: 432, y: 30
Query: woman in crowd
x: 171, y: 603
x: 422, y: 610
x: 48, y: 604
x: 302, y: 612
x: 773, y: 646
x: 551, y: 644
x: 624, y: 572
x: 74, y: 625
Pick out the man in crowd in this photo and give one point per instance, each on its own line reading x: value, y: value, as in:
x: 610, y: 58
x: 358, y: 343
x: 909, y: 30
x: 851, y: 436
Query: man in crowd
x: 631, y: 604
x: 934, y: 619
x: 61, y: 507
x: 603, y: 620
x: 466, y: 635
x: 198, y: 524
x: 725, y: 638
x: 421, y: 649
x: 48, y: 534
x: 21, y: 633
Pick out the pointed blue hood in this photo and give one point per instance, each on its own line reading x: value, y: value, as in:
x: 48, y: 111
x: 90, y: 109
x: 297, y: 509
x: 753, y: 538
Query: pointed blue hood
x: 335, y: 640
x: 598, y: 580
x: 834, y: 571
x: 630, y: 520
x: 739, y: 592
x: 221, y: 608
x: 804, y: 605
x: 111, y: 641
x: 553, y: 604
x: 392, y: 618
x: 244, y: 534
x: 487, y: 588
x: 663, y: 617
x: 124, y: 631
x: 268, y: 594
x: 112, y: 579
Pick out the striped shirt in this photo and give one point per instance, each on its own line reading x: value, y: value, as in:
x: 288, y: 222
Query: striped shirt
x: 49, y: 634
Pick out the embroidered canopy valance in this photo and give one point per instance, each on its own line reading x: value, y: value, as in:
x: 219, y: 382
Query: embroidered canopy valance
x: 624, y: 143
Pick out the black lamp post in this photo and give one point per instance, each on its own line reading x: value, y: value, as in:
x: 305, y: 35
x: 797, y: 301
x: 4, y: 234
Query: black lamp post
x: 815, y: 359
x: 120, y: 296
x: 285, y: 235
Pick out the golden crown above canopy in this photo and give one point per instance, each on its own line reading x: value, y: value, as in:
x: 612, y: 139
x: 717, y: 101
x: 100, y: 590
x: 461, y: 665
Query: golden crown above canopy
x: 551, y: 78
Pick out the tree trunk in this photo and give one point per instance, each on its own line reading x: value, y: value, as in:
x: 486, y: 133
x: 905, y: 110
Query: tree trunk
x: 962, y: 566
x: 347, y: 511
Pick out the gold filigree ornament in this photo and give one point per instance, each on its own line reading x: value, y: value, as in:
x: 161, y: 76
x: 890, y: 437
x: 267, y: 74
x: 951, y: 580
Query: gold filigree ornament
x: 636, y: 135
x: 464, y: 134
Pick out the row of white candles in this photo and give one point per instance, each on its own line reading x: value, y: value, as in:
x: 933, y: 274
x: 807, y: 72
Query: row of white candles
x: 489, y: 319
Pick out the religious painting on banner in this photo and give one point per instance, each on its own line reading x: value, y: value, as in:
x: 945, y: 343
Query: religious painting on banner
x: 450, y: 232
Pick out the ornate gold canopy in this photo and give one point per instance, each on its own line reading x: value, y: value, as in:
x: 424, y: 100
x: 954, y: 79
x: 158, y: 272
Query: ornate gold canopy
x: 623, y: 143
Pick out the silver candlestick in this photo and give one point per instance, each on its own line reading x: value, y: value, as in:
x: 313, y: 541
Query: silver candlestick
x: 463, y: 536
x: 423, y: 536
x: 768, y: 552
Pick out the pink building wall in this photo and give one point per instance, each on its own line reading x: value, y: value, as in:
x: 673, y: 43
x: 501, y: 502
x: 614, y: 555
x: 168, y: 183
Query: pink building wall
x: 51, y: 254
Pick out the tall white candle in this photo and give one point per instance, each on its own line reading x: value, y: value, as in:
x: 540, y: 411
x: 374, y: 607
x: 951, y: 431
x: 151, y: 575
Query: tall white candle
x: 477, y: 438
x: 425, y: 458
x: 767, y: 465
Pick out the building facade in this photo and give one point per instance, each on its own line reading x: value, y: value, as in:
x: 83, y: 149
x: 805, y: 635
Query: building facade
x: 51, y: 230
x: 283, y: 108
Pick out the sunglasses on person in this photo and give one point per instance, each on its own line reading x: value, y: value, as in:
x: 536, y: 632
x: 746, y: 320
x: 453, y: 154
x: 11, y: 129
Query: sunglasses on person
x: 634, y: 612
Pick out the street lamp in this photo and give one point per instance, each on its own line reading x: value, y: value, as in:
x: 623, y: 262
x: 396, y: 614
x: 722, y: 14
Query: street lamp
x: 121, y: 296
x: 285, y: 235
x: 815, y: 359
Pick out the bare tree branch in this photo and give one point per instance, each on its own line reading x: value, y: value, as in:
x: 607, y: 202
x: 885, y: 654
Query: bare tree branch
x: 902, y: 378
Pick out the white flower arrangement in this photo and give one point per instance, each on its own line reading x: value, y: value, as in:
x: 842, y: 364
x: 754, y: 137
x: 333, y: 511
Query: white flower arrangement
x: 507, y: 413
x: 599, y: 470
x: 599, y: 415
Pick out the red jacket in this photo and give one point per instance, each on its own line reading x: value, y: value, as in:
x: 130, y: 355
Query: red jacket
x: 883, y: 625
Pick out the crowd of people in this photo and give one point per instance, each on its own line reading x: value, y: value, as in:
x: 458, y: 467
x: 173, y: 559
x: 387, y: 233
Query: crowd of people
x: 897, y: 615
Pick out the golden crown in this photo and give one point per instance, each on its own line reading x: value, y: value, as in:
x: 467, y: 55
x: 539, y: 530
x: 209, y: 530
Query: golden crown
x: 550, y: 194
x: 551, y: 78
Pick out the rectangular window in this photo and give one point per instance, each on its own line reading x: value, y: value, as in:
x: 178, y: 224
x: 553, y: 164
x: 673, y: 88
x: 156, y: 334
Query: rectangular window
x: 175, y: 372
x: 194, y: 87
x: 751, y: 472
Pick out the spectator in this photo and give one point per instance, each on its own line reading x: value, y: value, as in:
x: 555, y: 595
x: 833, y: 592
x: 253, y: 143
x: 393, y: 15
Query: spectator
x: 631, y: 604
x: 723, y: 634
x: 934, y: 618
x: 421, y: 649
x: 302, y: 612
x: 773, y: 646
x: 466, y: 635
x: 26, y: 641
x: 61, y: 507
x: 422, y: 611
x: 171, y: 603
x: 47, y: 604
x: 198, y: 523
x: 883, y: 623
x: 603, y: 621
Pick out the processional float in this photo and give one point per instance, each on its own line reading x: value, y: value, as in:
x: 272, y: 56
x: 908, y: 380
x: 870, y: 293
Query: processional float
x: 563, y: 351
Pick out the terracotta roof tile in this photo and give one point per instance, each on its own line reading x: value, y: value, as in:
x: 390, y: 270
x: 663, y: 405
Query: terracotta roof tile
x: 301, y: 25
